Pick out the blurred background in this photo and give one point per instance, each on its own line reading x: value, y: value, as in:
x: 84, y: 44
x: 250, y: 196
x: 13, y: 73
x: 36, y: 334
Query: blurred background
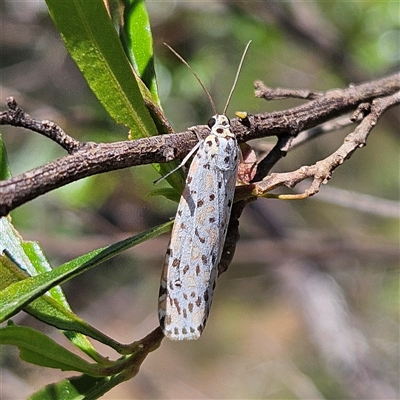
x: 309, y: 308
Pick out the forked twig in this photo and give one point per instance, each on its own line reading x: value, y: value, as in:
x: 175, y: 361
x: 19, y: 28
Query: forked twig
x: 322, y: 170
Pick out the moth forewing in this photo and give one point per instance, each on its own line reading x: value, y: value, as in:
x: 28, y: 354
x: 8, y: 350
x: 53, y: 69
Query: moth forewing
x: 198, y: 235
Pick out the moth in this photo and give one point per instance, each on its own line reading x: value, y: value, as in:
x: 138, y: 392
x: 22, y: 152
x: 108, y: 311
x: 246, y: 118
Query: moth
x: 191, y: 264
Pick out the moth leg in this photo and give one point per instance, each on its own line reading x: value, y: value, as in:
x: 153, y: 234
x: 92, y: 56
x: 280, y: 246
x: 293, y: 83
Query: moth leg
x: 183, y: 162
x: 196, y: 131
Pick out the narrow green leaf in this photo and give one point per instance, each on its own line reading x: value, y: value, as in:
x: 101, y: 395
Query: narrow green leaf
x: 168, y: 192
x: 41, y: 264
x: 93, y: 43
x: 37, y: 348
x: 25, y: 259
x: 48, y: 310
x: 137, y: 40
x: 10, y: 243
x: 51, y: 311
x: 78, y: 388
x: 5, y: 172
x: 19, y: 294
x: 138, y: 43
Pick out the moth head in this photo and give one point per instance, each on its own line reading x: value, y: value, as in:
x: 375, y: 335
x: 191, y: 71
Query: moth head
x: 218, y: 121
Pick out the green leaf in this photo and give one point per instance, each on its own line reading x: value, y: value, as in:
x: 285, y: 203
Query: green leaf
x: 20, y: 294
x: 167, y: 192
x: 37, y: 348
x: 5, y: 172
x: 41, y: 264
x: 138, y: 43
x: 93, y: 43
x: 77, y: 388
x: 52, y: 307
x: 11, y: 245
x: 48, y: 310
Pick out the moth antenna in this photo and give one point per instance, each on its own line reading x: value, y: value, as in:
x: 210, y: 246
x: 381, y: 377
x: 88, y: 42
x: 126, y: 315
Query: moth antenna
x: 196, y: 76
x: 236, y: 77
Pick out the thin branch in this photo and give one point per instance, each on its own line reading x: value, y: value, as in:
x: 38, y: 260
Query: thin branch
x: 17, y: 117
x: 89, y: 159
x: 322, y: 171
x: 269, y: 93
x: 323, y: 129
x: 331, y: 105
x: 289, y: 142
x: 278, y: 151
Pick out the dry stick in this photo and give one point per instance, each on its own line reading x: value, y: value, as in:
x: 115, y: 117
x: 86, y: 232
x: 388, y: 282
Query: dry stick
x: 322, y: 171
x: 287, y: 142
x: 17, y: 117
x: 93, y: 158
x: 269, y: 93
x: 279, y: 151
x: 263, y: 148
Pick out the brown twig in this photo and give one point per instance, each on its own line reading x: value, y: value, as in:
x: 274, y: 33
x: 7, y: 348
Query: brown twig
x: 322, y: 171
x: 278, y: 93
x: 17, y: 117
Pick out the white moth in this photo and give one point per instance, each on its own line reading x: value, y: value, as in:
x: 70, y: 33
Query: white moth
x: 198, y: 235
